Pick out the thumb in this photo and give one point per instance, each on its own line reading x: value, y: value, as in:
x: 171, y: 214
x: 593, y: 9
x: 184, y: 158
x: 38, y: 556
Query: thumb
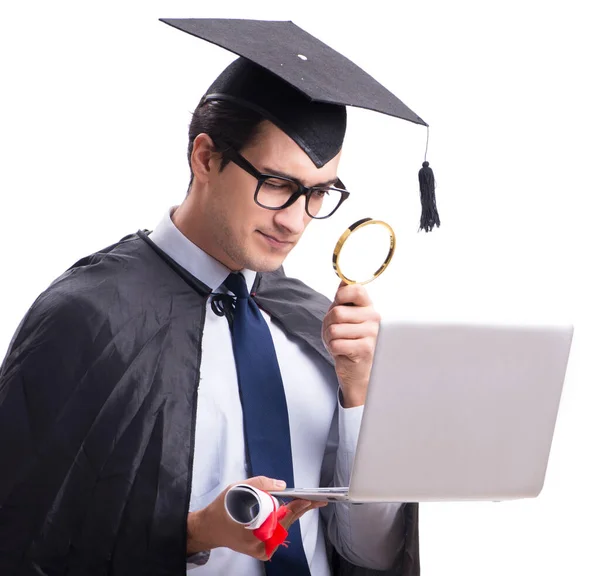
x: 341, y: 285
x: 266, y: 484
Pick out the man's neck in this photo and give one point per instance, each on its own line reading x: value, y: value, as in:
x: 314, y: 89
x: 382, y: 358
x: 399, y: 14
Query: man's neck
x: 185, y: 219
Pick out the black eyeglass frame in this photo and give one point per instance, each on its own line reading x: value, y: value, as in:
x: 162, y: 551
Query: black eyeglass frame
x: 233, y: 155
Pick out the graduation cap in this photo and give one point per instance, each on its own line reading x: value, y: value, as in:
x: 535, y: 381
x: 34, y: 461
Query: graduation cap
x: 301, y: 85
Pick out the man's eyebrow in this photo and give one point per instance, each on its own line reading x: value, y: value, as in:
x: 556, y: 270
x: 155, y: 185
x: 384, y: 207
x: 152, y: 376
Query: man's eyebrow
x: 274, y: 172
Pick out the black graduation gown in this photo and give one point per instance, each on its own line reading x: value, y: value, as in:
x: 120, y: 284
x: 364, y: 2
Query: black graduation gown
x: 97, y: 412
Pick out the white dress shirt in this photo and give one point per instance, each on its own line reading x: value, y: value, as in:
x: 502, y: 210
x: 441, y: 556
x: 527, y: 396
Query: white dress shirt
x: 323, y: 433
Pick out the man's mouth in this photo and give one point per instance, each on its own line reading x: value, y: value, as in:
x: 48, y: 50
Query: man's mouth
x: 275, y: 241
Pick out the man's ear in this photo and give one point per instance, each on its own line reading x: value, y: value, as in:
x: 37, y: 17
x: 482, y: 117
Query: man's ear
x: 202, y: 153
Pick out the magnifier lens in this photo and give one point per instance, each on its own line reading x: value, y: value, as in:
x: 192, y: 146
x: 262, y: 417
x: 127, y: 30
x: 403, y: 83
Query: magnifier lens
x: 365, y: 251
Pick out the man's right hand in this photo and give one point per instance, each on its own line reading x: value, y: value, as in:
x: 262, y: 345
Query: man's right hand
x: 212, y: 527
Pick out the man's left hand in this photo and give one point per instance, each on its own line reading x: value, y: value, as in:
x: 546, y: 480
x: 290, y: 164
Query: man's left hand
x: 350, y: 330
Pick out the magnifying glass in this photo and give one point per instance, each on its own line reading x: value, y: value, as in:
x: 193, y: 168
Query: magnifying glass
x: 364, y: 246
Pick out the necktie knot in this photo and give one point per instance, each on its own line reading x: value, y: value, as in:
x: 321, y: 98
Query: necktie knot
x: 236, y: 283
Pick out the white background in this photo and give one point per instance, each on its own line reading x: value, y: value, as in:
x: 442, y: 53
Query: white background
x: 95, y: 103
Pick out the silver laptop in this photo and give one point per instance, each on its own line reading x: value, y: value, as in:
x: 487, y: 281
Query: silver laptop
x: 456, y: 412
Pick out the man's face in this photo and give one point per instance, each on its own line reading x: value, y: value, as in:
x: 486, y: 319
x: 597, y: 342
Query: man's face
x: 245, y: 235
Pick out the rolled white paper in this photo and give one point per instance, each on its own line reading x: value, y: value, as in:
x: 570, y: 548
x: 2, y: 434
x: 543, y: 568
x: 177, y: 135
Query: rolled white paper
x: 249, y: 506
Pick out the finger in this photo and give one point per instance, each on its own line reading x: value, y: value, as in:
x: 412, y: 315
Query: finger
x: 298, y: 505
x: 265, y: 483
x: 296, y: 509
x: 352, y: 294
x: 292, y: 517
x: 315, y: 504
x: 350, y: 331
x: 350, y: 315
x: 352, y: 349
x: 260, y: 553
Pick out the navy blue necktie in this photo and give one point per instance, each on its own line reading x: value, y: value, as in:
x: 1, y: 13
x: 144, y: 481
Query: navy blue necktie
x: 266, y: 423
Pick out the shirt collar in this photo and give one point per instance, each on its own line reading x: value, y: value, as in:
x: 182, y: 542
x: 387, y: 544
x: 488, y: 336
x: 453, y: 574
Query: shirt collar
x: 192, y: 258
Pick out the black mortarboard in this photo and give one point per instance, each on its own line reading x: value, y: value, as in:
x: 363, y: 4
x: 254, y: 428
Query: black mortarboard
x: 301, y: 85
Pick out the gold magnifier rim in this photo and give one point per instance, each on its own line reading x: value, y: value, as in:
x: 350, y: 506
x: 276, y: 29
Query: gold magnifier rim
x: 347, y: 233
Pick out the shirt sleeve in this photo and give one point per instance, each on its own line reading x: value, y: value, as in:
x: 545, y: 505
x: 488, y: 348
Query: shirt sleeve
x: 197, y: 559
x: 368, y: 535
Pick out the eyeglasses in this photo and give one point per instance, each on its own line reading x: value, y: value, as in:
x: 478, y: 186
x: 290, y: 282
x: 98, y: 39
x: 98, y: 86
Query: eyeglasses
x: 279, y: 192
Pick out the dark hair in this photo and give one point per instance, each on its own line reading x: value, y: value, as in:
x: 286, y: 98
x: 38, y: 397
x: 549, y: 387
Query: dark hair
x: 223, y: 121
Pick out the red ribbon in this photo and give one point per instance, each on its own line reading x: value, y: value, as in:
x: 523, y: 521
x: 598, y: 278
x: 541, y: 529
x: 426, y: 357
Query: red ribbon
x: 271, y: 532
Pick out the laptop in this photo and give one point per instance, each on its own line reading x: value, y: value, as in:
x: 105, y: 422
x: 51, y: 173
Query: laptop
x: 456, y: 412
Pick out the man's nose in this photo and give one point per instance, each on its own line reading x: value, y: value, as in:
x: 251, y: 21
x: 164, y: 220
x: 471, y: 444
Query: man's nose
x: 294, y: 217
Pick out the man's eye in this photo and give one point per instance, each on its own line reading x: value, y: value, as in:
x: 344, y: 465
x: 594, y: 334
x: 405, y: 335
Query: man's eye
x: 277, y: 184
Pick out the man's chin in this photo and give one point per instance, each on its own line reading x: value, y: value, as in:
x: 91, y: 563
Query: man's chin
x: 266, y: 264
x: 266, y: 260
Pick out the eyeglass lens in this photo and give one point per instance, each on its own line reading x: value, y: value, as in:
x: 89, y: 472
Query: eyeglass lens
x: 275, y: 192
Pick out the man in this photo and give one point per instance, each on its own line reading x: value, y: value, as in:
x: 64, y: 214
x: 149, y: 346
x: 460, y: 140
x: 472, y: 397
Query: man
x: 146, y: 380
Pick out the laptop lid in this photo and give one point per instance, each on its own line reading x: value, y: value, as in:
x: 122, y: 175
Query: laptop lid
x: 459, y: 412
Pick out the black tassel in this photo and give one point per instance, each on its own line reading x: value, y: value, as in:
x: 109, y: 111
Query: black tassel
x: 429, y: 213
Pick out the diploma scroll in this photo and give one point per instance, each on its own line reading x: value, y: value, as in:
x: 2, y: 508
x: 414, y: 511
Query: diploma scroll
x: 249, y: 506
x: 257, y: 511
